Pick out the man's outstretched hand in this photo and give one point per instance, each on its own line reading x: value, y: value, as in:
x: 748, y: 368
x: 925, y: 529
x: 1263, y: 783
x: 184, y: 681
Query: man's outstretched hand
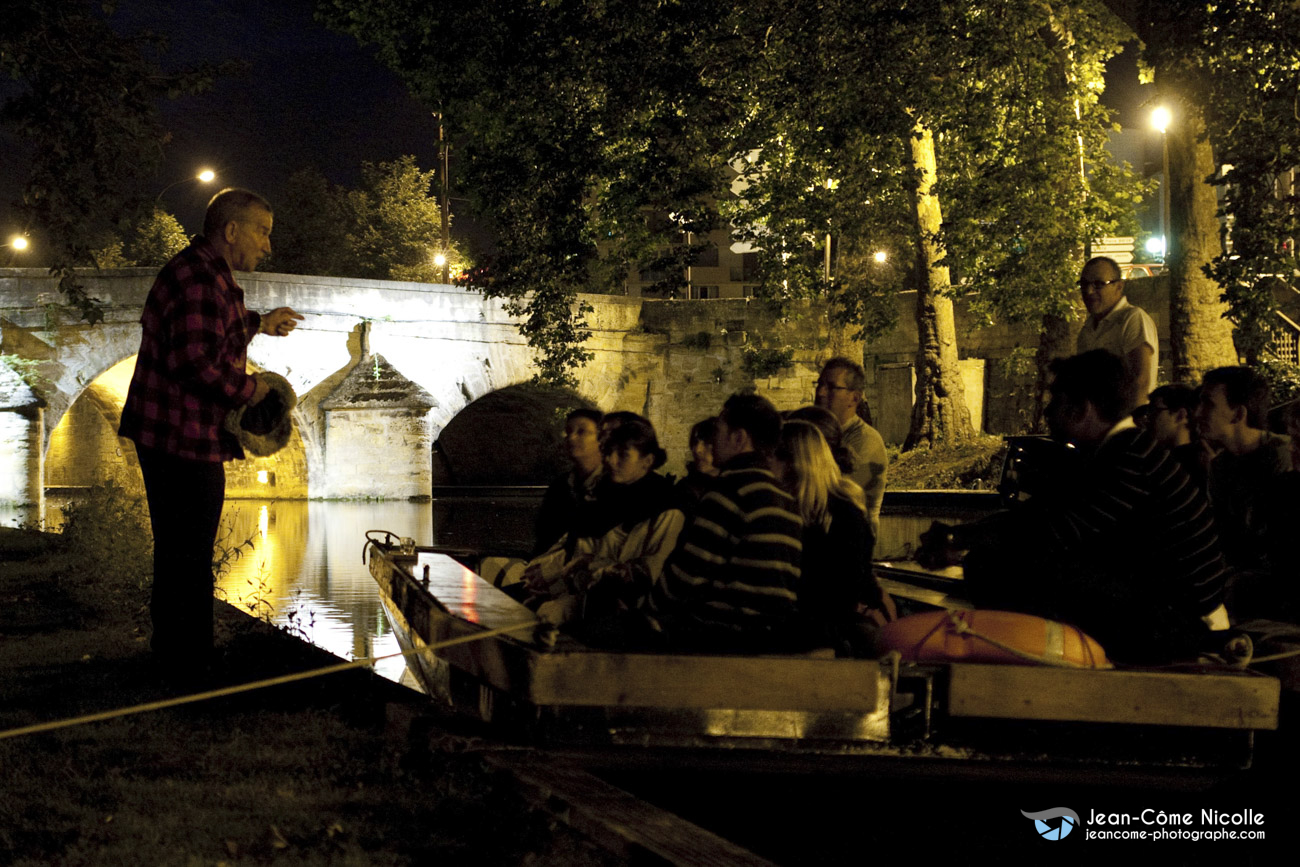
x: 280, y: 321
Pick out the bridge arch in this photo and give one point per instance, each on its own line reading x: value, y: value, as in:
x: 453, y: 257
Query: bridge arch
x: 674, y: 362
x: 84, y: 449
x: 526, y: 425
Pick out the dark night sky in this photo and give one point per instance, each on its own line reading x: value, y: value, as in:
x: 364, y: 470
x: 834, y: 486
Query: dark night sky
x: 312, y: 97
x: 309, y: 96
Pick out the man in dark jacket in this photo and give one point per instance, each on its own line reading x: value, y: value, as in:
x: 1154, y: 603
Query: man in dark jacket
x: 1126, y: 549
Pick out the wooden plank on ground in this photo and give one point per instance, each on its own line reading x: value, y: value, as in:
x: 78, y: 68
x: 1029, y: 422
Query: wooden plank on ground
x: 1227, y: 701
x: 615, y: 820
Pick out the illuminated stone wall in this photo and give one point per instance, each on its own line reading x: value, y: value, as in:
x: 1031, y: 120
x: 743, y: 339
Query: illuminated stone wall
x: 1007, y: 353
x: 674, y: 361
x: 22, y: 433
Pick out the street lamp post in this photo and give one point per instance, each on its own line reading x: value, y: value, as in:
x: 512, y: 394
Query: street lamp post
x: 443, y: 149
x: 1160, y: 118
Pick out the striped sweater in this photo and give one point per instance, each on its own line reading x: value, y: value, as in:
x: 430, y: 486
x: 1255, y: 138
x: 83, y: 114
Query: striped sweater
x: 1140, y: 512
x: 736, y: 567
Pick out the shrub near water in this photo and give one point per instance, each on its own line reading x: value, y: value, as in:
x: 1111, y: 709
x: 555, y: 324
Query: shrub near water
x: 109, y: 527
x: 974, y: 466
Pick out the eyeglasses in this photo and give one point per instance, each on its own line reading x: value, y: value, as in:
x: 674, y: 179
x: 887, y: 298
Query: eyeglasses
x: 1097, y: 284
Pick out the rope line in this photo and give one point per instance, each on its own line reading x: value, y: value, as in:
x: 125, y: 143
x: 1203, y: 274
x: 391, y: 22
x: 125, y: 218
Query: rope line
x: 255, y: 684
x: 964, y: 628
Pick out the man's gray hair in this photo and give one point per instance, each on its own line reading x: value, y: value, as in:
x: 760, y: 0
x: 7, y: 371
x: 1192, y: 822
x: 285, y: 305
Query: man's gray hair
x: 229, y: 205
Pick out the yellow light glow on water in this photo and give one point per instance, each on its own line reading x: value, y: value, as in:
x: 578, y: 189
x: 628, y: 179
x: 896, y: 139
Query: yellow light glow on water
x: 264, y: 521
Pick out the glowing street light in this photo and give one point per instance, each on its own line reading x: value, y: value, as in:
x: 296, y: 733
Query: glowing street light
x: 440, y: 260
x: 881, y: 257
x: 18, y: 245
x: 1160, y: 118
x: 204, y: 176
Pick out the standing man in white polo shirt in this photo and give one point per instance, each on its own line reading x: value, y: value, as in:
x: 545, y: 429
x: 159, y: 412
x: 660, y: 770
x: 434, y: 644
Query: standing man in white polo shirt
x: 1116, y: 325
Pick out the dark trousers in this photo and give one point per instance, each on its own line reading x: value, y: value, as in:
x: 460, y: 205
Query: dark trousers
x: 185, y: 500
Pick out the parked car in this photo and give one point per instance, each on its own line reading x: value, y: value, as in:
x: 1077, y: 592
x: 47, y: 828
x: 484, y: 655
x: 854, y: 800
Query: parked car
x: 1134, y: 271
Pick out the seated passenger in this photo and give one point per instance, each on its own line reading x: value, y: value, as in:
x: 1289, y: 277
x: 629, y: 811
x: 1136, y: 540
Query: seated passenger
x: 1169, y: 418
x: 836, y: 586
x: 700, y: 471
x: 1129, y: 554
x: 612, y: 420
x: 1283, y: 512
x: 829, y: 425
x: 732, y: 582
x: 577, y: 486
x: 1231, y: 417
x: 624, y: 540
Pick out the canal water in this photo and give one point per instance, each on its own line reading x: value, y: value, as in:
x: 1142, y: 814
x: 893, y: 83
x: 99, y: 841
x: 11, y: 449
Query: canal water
x: 297, y: 563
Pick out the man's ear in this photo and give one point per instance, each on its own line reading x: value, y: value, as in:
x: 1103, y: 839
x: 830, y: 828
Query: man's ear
x: 741, y: 438
x: 1182, y: 417
x: 1238, y: 414
x: 229, y: 231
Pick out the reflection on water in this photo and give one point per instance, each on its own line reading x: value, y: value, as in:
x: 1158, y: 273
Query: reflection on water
x: 304, y: 569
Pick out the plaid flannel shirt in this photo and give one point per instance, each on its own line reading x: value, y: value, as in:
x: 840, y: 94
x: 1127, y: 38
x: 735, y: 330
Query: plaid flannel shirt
x: 190, y: 370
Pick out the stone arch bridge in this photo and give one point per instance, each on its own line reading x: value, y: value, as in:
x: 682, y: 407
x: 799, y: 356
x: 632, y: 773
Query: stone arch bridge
x: 381, y: 368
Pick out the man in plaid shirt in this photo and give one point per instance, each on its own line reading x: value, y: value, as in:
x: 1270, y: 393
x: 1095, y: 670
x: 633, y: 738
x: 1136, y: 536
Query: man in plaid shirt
x: 190, y: 372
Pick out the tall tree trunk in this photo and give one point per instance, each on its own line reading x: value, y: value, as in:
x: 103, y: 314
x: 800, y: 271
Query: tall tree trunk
x: 1056, y: 340
x: 1200, y: 338
x: 939, y: 413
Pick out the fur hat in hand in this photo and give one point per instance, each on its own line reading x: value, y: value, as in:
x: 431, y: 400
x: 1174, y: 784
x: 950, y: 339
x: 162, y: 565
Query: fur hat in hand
x: 265, y: 429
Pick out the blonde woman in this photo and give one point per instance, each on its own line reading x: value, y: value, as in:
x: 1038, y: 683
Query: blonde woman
x: 837, y: 589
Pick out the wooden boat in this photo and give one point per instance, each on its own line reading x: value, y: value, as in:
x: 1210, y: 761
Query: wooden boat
x: 548, y: 689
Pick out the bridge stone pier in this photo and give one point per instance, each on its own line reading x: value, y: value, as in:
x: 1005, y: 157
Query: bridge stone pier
x: 381, y: 369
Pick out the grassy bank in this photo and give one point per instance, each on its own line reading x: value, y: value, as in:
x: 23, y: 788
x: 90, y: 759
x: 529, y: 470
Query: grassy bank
x: 308, y: 773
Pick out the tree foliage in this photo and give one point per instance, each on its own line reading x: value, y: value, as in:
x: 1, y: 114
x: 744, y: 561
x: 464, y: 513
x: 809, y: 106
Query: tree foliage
x: 387, y: 229
x: 86, y: 99
x: 573, y: 119
x: 624, y: 125
x: 154, y: 241
x: 1248, y: 68
x: 1010, y: 89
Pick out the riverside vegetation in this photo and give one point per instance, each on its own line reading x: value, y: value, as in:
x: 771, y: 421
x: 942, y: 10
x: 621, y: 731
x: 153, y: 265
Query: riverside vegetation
x: 308, y: 773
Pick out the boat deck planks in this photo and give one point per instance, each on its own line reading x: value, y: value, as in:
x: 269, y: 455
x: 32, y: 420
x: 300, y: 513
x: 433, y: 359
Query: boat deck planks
x: 791, y: 698
x: 576, y: 676
x: 1223, y: 700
